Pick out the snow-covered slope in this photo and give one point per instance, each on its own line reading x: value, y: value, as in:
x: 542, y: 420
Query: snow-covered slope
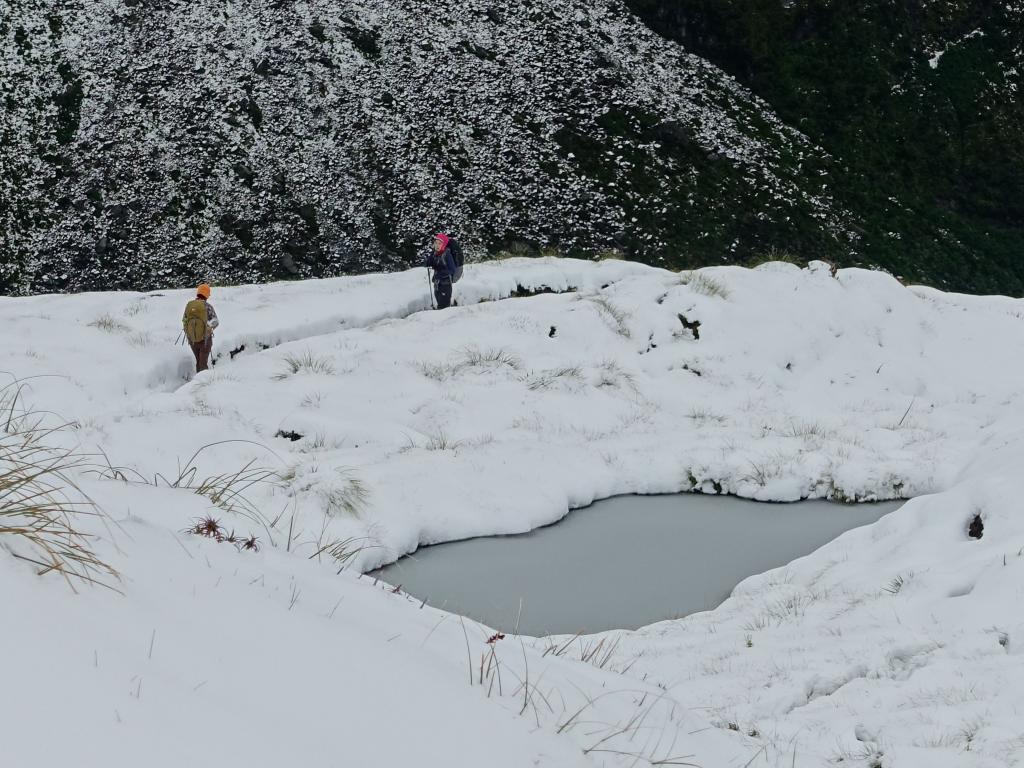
x: 898, y: 644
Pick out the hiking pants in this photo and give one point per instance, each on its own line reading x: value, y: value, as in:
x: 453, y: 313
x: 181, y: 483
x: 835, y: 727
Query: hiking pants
x: 202, y: 350
x: 443, y: 293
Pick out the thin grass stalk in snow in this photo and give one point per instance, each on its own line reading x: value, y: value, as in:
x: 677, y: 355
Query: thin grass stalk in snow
x: 40, y: 503
x: 225, y: 490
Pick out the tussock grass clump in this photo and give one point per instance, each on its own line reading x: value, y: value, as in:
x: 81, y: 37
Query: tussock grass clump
x: 109, y: 324
x: 440, y: 441
x: 41, y: 506
x: 213, y: 377
x: 201, y: 408
x: 137, y: 307
x: 868, y: 754
x: 526, y: 324
x: 141, y: 340
x: 473, y: 357
x: 439, y: 372
x: 762, y: 472
x: 470, y: 358
x: 312, y: 401
x: 350, y: 496
x: 815, y: 433
x: 225, y: 490
x: 704, y: 416
x: 774, y: 254
x: 320, y: 442
x: 701, y: 283
x: 615, y: 317
x: 305, y: 362
x: 548, y: 379
x: 481, y: 441
x: 611, y: 374
x: 896, y: 584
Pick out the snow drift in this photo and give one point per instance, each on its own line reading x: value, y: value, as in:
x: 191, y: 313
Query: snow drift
x: 371, y: 427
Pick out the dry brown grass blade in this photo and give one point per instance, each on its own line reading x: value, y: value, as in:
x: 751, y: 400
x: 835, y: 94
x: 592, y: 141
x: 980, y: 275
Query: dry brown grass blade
x: 41, y: 505
x: 226, y: 490
x: 343, y: 551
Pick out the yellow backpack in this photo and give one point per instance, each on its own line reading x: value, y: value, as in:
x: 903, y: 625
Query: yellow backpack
x: 195, y: 320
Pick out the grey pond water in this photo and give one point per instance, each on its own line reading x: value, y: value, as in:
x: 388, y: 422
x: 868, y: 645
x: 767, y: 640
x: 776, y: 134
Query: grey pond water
x: 621, y: 563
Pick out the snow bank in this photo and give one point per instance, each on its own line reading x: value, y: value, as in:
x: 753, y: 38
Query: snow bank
x: 894, y: 644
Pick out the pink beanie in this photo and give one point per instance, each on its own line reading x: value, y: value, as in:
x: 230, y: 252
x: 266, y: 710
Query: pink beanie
x: 443, y: 238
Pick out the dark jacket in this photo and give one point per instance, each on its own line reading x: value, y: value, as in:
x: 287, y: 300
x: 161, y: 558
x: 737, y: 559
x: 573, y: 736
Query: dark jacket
x: 442, y: 265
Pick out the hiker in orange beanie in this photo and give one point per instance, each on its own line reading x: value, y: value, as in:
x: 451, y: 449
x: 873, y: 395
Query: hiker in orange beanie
x: 199, y: 322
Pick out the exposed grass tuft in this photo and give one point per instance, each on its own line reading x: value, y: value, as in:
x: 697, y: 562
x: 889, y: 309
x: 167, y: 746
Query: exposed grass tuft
x: 214, y: 377
x: 349, y: 497
x: 137, y: 307
x: 615, y: 317
x: 701, y: 283
x: 757, y: 623
x: 320, y: 442
x: 439, y: 441
x: 868, y: 755
x: 766, y: 469
x: 109, y: 324
x: 200, y: 407
x: 703, y: 416
x: 305, y: 362
x: 472, y: 357
x: 895, y: 585
x: 140, y: 340
x: 312, y: 401
x: 341, y: 551
x: 807, y: 429
x: 40, y: 504
x: 611, y: 374
x: 226, y: 490
x: 553, y: 377
x: 481, y: 441
x: 439, y: 372
x: 774, y: 254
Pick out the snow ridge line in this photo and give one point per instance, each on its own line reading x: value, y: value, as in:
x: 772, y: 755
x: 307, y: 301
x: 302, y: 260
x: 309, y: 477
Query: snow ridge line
x: 246, y: 343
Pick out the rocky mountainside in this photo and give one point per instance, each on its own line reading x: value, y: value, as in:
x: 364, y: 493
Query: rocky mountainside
x: 155, y: 141
x: 919, y: 101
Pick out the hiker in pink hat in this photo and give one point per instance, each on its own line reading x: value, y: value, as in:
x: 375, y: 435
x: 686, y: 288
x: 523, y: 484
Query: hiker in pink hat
x: 445, y: 261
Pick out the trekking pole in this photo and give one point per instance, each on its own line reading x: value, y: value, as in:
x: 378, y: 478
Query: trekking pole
x: 430, y: 289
